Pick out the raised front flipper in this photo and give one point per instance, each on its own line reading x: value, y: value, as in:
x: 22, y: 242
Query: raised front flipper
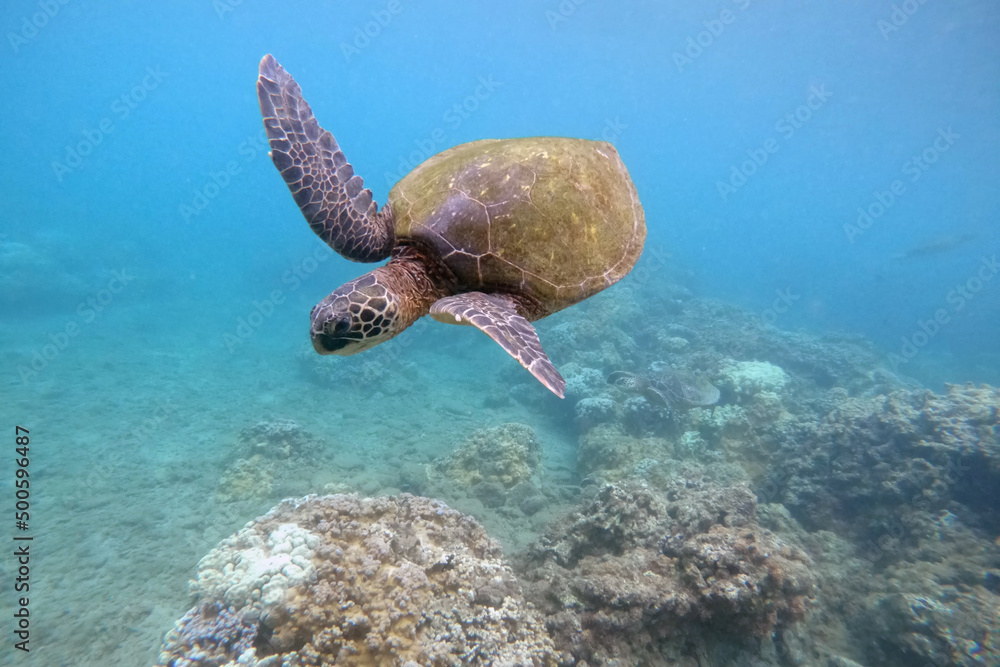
x: 496, y: 316
x: 331, y: 196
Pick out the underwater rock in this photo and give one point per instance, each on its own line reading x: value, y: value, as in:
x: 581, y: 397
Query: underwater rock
x: 822, y: 362
x: 636, y: 568
x: 692, y: 446
x: 964, y: 424
x: 929, y: 598
x: 530, y: 504
x: 491, y: 494
x: 504, y: 455
x: 349, y: 581
x: 723, y: 422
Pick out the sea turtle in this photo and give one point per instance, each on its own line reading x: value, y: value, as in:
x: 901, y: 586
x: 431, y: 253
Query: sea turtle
x: 494, y: 234
x: 669, y: 388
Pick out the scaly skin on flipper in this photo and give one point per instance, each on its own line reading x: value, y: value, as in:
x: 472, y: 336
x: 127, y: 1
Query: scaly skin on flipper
x: 496, y: 316
x: 332, y: 197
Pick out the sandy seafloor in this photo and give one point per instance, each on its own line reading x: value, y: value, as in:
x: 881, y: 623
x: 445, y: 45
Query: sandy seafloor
x: 130, y: 432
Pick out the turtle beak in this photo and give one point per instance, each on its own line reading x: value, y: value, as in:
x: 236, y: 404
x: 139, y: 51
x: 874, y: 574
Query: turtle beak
x: 327, y: 344
x: 332, y: 335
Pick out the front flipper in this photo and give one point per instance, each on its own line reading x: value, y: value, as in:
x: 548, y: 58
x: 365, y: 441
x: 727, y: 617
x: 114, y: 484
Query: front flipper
x: 333, y: 199
x: 496, y: 316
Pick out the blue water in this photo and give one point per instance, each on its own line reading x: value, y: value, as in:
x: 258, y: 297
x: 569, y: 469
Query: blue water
x: 142, y: 220
x: 681, y: 127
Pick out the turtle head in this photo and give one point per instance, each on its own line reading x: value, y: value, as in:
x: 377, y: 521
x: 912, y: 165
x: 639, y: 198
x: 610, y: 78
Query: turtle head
x: 357, y: 316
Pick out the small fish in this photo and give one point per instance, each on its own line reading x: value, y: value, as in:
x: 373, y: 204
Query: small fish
x: 936, y: 246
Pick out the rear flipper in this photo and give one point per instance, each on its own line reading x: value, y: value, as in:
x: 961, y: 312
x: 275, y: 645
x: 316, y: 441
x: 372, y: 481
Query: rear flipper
x: 496, y: 316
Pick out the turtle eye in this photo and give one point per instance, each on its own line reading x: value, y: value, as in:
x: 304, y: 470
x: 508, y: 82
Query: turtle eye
x: 338, y: 326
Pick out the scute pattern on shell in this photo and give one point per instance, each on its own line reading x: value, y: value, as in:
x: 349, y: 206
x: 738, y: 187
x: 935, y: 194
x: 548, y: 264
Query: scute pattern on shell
x: 556, y: 219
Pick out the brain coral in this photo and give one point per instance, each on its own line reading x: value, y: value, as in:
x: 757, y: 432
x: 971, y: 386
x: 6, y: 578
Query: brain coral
x: 344, y: 580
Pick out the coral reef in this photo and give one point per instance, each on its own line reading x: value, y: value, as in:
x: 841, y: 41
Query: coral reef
x: 595, y: 410
x: 911, y: 480
x: 745, y: 379
x: 821, y: 511
x: 915, y: 619
x: 637, y: 568
x: 503, y: 455
x: 277, y: 439
x: 612, y: 454
x: 891, y: 489
x: 341, y: 580
x: 246, y: 479
x: 207, y: 636
x: 267, y: 454
x: 718, y: 331
x: 583, y: 382
x: 867, y: 458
